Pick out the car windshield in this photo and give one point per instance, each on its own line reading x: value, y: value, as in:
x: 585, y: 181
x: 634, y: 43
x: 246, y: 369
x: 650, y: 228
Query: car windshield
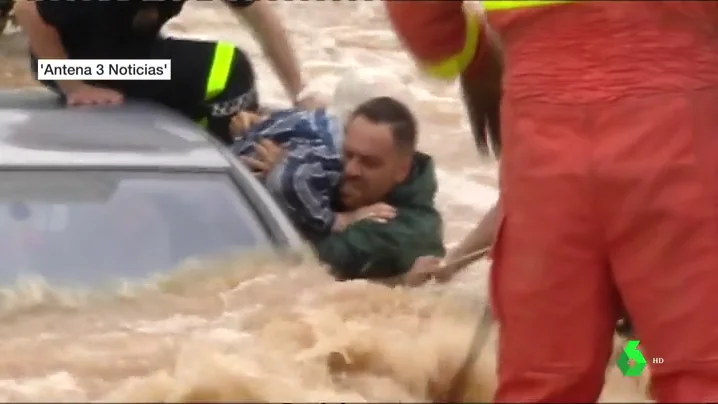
x: 80, y: 227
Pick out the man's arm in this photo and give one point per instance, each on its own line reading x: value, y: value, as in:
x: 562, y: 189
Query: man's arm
x: 368, y: 249
x: 273, y: 38
x: 480, y: 237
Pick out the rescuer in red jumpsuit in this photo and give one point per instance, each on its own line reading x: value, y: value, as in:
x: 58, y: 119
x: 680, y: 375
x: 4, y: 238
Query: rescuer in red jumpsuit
x: 609, y: 184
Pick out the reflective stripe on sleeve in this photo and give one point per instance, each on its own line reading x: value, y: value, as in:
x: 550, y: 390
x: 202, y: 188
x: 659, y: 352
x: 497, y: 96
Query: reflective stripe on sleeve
x: 219, y: 72
x: 507, y: 5
x: 454, y: 65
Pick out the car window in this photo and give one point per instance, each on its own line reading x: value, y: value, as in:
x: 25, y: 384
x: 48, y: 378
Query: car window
x: 88, y: 227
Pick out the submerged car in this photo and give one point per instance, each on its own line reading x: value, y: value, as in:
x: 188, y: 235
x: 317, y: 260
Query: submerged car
x: 94, y: 194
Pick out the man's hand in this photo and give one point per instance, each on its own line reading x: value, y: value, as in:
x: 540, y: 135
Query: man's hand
x: 378, y: 212
x: 269, y: 155
x: 423, y: 270
x: 85, y: 94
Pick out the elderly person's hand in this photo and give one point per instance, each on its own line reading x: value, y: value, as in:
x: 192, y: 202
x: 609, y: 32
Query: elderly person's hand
x: 243, y: 121
x: 269, y: 155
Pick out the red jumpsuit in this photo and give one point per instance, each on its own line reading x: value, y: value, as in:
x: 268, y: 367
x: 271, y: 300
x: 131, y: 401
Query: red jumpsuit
x: 609, y: 185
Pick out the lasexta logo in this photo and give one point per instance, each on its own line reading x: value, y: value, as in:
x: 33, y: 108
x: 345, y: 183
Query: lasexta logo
x: 631, y: 362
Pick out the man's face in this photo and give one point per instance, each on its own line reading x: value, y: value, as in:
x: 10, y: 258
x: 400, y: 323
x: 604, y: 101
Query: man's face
x: 372, y: 164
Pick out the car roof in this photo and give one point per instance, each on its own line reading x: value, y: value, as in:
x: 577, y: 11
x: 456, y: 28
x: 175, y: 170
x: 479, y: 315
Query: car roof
x: 36, y: 130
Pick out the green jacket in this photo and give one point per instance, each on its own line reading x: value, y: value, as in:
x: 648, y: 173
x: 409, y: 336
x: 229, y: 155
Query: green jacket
x: 368, y: 249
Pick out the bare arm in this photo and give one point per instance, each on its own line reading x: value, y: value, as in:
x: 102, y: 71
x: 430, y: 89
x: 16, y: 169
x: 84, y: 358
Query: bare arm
x: 43, y: 38
x: 272, y: 36
x: 480, y: 237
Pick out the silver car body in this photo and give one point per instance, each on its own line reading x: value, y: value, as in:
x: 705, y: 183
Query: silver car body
x: 38, y: 132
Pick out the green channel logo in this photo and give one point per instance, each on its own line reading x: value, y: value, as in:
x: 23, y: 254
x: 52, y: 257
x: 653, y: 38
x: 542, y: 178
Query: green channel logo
x: 631, y: 362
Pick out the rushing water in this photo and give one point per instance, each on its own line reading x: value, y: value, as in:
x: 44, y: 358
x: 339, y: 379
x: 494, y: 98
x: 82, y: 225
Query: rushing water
x: 262, y: 330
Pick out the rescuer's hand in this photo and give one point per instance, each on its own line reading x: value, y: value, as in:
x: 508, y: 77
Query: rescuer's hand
x: 85, y: 94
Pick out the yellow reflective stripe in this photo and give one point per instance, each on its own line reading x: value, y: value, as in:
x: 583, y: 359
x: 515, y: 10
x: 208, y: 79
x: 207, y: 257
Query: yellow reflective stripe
x: 454, y: 65
x: 506, y: 5
x: 219, y: 72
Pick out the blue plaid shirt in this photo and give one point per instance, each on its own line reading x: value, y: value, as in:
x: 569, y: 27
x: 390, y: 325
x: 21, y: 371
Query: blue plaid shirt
x: 306, y: 180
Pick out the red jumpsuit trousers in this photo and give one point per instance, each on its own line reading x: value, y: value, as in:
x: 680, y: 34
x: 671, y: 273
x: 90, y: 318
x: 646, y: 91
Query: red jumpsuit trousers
x: 609, y: 187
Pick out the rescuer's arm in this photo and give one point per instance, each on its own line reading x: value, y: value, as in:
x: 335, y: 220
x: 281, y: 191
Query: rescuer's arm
x: 39, y: 21
x: 442, y: 36
x: 448, y: 41
x: 273, y: 38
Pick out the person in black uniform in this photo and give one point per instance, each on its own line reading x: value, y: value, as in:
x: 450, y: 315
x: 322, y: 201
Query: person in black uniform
x: 211, y: 81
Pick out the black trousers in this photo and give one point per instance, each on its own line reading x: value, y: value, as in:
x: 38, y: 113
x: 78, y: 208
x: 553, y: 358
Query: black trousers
x: 5, y: 7
x: 211, y: 81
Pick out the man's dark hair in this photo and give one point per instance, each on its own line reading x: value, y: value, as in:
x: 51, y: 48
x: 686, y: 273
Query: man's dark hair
x: 387, y: 110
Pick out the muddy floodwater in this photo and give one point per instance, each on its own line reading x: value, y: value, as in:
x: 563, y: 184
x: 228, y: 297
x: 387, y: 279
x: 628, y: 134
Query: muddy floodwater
x: 255, y: 328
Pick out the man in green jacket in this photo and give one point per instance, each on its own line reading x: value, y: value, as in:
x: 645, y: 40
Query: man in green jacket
x: 387, y: 193
x: 374, y: 248
x: 386, y: 216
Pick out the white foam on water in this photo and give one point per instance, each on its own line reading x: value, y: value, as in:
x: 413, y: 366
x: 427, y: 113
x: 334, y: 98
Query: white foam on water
x: 459, y: 190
